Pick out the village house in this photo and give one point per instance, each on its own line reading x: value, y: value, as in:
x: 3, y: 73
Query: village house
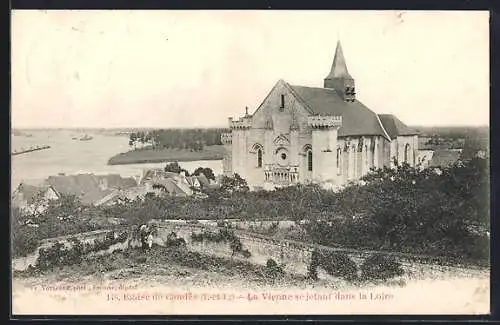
x: 124, y: 195
x: 159, y: 182
x: 33, y: 199
x: 89, y: 188
x: 326, y: 135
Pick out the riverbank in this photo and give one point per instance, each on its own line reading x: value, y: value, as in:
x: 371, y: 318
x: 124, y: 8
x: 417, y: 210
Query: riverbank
x: 36, y: 148
x: 142, y: 156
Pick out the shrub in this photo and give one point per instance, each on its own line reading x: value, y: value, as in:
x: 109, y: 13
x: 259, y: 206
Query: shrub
x: 24, y: 241
x: 196, y: 237
x: 224, y: 235
x: 58, y: 255
x: 273, y: 228
x: 312, y: 272
x: 246, y: 253
x: 334, y: 263
x: 108, y: 241
x: 273, y: 269
x: 380, y: 267
x: 24, y: 238
x: 176, y: 242
x: 236, y: 245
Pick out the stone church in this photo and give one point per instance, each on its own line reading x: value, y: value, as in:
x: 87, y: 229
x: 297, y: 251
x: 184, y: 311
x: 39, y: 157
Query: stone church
x: 304, y: 134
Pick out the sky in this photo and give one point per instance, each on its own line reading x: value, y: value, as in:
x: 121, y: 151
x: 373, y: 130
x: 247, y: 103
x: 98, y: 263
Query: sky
x: 121, y: 68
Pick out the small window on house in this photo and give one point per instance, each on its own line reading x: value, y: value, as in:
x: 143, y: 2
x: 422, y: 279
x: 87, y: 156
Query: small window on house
x: 259, y: 158
x: 282, y: 101
x: 309, y: 161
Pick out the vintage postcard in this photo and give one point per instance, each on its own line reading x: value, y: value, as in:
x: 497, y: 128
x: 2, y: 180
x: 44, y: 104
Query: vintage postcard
x: 250, y: 162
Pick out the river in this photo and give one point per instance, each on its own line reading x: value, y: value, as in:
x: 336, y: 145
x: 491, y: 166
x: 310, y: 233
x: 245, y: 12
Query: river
x: 72, y: 156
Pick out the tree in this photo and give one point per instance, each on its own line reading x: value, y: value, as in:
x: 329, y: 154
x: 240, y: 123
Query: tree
x: 208, y: 172
x: 134, y: 138
x: 67, y: 205
x: 24, y: 238
x: 408, y: 209
x: 234, y: 184
x: 37, y: 206
x: 175, y: 168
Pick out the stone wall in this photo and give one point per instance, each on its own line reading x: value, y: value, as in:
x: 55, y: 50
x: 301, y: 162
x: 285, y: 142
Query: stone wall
x: 294, y: 255
x: 296, y: 259
x: 22, y: 263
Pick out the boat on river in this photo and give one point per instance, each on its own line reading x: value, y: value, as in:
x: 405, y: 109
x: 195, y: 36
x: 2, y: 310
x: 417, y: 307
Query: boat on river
x: 86, y: 137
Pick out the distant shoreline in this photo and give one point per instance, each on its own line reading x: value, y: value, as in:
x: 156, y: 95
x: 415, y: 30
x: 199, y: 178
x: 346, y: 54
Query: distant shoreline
x: 148, y: 156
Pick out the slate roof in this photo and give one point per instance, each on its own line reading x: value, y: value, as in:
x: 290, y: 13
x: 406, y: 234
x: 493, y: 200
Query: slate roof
x: 190, y: 180
x: 339, y: 66
x: 84, y: 186
x: 171, y: 187
x: 28, y: 191
x: 357, y: 119
x: 203, y: 180
x: 395, y: 127
x: 116, y: 181
x: 153, y: 174
x: 108, y: 198
x: 131, y: 193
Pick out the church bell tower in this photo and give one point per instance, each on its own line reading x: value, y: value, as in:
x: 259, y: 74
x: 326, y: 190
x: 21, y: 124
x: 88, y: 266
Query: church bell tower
x: 339, y: 78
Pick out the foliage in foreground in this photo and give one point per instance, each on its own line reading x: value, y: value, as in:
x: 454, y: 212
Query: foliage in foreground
x: 380, y: 267
x: 419, y: 212
x: 335, y: 264
x: 402, y: 209
x: 59, y: 254
x: 224, y: 235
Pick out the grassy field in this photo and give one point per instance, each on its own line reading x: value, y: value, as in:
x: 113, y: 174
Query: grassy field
x: 158, y: 285
x: 215, y: 152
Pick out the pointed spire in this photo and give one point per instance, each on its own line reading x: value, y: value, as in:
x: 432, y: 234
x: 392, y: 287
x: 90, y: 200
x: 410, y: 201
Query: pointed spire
x: 339, y: 67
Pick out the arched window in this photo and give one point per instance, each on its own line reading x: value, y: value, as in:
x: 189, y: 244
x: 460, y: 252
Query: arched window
x: 259, y: 158
x: 309, y: 160
x: 339, y: 161
x: 407, y: 153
